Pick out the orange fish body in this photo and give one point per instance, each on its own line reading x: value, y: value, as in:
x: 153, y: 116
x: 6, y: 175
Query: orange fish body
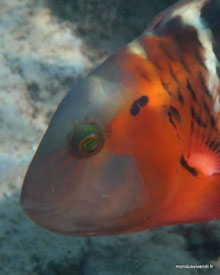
x: 136, y: 144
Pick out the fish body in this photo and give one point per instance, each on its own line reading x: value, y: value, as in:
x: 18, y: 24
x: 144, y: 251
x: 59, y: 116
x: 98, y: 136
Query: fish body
x: 136, y: 144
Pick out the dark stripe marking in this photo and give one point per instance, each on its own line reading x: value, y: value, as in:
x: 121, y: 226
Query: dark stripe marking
x: 185, y: 67
x: 192, y: 92
x: 174, y: 76
x: 212, y: 120
x: 205, y: 89
x: 216, y: 146
x: 166, y: 88
x: 175, y: 113
x: 211, y: 144
x: 193, y: 112
x: 185, y: 165
x: 144, y: 75
x: 158, y: 24
x: 197, y: 118
x: 180, y: 97
x: 166, y: 52
x: 206, y: 108
x: 192, y: 126
x: 200, y: 59
x: 171, y: 119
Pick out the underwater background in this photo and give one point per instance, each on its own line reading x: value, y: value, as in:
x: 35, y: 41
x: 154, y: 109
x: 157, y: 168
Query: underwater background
x: 45, y: 47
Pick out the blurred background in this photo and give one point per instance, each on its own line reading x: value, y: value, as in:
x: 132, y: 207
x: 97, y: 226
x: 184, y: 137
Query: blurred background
x: 45, y: 47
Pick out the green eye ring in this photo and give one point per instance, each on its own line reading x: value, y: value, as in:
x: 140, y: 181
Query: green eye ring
x: 87, y: 139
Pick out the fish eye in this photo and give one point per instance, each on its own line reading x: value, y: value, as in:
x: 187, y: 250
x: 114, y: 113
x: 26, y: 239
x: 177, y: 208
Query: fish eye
x: 87, y: 139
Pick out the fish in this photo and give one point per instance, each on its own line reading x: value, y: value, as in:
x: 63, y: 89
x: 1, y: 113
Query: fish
x: 136, y: 144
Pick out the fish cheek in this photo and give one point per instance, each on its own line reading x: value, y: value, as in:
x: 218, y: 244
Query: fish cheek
x: 115, y: 191
x: 84, y: 197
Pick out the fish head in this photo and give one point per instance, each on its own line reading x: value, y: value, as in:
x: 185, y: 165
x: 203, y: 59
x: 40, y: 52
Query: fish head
x: 135, y: 144
x: 95, y: 170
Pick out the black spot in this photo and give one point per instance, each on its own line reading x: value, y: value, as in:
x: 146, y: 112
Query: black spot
x: 192, y: 92
x: 134, y: 109
x: 141, y: 102
x: 190, y: 169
